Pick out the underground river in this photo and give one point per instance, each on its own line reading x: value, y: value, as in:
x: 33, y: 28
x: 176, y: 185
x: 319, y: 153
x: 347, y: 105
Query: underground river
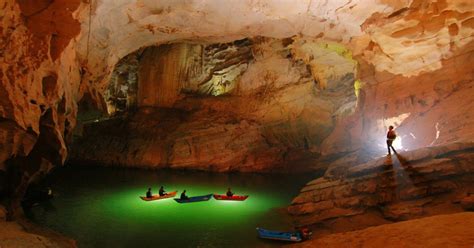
x: 100, y: 207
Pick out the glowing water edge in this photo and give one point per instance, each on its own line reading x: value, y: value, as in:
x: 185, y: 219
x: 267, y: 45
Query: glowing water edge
x: 100, y: 207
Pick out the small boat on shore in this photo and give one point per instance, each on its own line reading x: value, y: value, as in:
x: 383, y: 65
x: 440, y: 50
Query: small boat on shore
x: 194, y: 199
x: 230, y: 198
x: 293, y: 236
x: 158, y: 197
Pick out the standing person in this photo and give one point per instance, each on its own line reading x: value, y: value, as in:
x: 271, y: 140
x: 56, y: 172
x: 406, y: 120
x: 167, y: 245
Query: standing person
x: 391, y: 136
x: 162, y: 191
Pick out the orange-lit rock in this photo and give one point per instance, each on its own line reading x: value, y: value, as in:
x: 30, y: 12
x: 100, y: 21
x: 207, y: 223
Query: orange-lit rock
x: 25, y: 234
x: 429, y: 109
x: 424, y: 232
x: 39, y: 86
x: 424, y: 182
x: 264, y: 126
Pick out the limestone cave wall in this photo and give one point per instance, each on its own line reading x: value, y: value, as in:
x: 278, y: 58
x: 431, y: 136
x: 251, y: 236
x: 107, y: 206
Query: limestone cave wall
x: 160, y: 75
x: 271, y: 109
x: 427, y: 110
x: 39, y: 82
x: 122, y: 91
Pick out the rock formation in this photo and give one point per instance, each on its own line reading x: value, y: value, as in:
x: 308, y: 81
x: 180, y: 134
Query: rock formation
x: 39, y: 88
x: 452, y: 230
x: 249, y: 126
x: 24, y: 234
x: 424, y: 182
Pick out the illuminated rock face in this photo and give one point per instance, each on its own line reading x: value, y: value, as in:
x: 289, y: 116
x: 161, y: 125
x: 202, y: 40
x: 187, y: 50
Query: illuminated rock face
x: 168, y: 70
x: 412, y: 59
x: 264, y: 126
x: 122, y: 91
x: 426, y: 31
x: 419, y: 233
x: 419, y: 183
x: 430, y: 109
x: 39, y: 82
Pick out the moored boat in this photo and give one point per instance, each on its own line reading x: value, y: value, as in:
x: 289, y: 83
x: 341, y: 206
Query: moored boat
x: 293, y: 236
x: 230, y: 198
x: 158, y: 197
x: 194, y: 199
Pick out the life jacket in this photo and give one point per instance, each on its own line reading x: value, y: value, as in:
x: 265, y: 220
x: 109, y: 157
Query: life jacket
x: 391, y: 135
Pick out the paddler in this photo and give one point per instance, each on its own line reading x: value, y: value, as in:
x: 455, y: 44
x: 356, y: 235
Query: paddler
x: 229, y: 193
x: 149, y: 194
x: 184, y: 196
x: 162, y: 191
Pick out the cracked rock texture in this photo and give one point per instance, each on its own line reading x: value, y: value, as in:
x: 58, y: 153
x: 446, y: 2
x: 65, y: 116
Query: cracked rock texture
x: 409, y: 185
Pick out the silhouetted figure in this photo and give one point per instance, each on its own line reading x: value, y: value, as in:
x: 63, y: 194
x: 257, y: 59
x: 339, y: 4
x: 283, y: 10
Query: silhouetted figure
x: 229, y: 193
x: 391, y: 136
x: 184, y: 196
x: 148, y: 193
x: 162, y: 191
x: 36, y: 194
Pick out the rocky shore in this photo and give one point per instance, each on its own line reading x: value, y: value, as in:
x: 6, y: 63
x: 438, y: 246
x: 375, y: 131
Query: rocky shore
x: 452, y: 230
x: 22, y: 233
x: 425, y: 182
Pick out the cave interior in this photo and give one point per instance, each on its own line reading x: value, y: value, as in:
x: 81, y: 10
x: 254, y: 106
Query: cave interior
x: 273, y: 88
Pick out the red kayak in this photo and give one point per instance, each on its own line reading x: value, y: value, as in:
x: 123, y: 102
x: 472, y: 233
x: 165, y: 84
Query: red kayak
x: 231, y: 198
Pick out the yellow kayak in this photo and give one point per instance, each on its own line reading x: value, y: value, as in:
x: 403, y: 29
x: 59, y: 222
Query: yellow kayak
x: 158, y: 197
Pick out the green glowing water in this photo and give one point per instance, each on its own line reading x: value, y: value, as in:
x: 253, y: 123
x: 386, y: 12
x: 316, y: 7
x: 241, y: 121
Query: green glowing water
x: 100, y: 207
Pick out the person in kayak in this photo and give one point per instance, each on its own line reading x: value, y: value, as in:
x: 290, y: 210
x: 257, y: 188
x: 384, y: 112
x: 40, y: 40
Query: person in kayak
x: 391, y: 136
x: 149, y: 194
x: 229, y: 193
x: 162, y: 191
x: 184, y: 196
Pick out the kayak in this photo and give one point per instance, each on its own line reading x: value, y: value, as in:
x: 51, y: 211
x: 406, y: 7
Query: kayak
x: 277, y: 235
x: 194, y: 199
x: 231, y: 198
x: 158, y: 197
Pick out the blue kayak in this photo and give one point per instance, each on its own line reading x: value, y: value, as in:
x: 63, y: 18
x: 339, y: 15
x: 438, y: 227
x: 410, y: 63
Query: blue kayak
x: 194, y: 199
x: 277, y: 235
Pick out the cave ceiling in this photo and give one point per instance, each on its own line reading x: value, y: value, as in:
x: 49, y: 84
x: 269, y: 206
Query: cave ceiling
x: 399, y: 37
